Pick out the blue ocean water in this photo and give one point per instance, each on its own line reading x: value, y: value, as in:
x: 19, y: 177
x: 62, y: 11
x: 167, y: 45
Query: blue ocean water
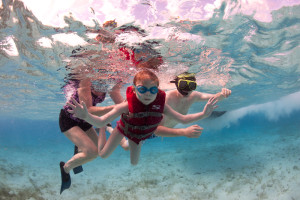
x: 251, y: 152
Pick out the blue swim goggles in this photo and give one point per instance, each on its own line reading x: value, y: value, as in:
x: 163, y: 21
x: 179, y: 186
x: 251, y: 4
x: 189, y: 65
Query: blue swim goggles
x: 142, y: 89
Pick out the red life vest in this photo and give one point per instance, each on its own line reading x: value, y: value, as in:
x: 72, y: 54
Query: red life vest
x: 142, y: 120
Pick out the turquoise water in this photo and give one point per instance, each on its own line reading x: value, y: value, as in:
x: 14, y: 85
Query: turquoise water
x: 251, y: 152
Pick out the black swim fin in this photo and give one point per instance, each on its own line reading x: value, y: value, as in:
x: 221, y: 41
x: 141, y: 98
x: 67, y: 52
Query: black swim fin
x: 109, y: 125
x: 65, y: 178
x: 216, y: 114
x: 79, y: 168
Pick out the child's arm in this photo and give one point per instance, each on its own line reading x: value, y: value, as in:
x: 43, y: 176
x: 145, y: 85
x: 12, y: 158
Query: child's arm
x: 100, y: 110
x: 184, y: 119
x: 193, y: 131
x: 81, y: 111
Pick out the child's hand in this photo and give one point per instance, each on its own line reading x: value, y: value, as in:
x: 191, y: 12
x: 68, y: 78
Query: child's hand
x: 193, y: 131
x: 79, y: 110
x: 210, y: 106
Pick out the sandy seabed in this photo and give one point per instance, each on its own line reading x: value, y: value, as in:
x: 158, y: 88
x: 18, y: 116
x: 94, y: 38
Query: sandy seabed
x: 218, y: 168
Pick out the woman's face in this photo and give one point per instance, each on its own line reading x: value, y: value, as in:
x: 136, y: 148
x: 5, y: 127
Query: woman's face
x: 147, y: 97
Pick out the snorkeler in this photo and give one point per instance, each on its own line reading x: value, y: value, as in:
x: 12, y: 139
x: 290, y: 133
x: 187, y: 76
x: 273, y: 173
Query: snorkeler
x: 181, y: 99
x: 140, y: 115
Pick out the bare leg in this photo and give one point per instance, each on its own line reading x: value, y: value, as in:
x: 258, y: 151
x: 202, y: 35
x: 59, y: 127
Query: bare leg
x: 135, y: 151
x: 101, y: 139
x: 93, y: 135
x: 86, y: 142
x: 107, y: 147
x: 124, y: 143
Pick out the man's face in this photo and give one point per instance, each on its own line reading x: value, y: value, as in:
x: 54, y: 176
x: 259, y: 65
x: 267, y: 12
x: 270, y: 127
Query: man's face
x: 186, y: 86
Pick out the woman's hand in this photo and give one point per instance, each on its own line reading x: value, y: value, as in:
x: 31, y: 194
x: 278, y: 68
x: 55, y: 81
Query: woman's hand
x: 210, y: 106
x: 78, y: 109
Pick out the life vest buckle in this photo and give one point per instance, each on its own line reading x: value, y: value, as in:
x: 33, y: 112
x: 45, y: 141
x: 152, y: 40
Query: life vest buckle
x: 141, y: 114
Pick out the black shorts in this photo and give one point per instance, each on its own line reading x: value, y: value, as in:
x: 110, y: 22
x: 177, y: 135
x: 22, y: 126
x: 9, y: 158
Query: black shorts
x: 66, y: 122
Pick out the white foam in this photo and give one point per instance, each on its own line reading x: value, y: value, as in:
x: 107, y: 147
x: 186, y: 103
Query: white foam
x: 9, y: 46
x: 273, y: 111
x: 69, y: 39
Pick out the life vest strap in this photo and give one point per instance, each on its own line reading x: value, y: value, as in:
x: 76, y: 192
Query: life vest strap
x: 134, y: 135
x: 144, y: 114
x: 145, y: 127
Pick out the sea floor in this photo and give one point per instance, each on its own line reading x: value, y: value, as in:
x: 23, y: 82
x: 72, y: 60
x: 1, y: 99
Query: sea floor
x: 230, y: 164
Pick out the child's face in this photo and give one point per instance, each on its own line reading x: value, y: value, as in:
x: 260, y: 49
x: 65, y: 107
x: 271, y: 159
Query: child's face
x: 147, y: 97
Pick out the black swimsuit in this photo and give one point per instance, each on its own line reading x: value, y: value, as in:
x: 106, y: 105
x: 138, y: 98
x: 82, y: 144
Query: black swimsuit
x: 67, y: 120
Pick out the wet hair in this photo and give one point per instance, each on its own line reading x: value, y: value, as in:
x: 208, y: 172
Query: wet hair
x: 145, y: 74
x: 185, y: 76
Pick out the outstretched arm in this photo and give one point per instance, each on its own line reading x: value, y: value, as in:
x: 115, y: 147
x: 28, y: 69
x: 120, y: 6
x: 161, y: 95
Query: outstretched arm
x: 80, y: 110
x: 200, y: 96
x: 100, y: 110
x: 193, y: 131
x: 184, y: 119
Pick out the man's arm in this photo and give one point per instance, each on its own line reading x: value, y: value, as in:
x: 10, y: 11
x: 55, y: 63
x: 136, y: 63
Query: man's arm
x: 184, y: 119
x: 200, y: 96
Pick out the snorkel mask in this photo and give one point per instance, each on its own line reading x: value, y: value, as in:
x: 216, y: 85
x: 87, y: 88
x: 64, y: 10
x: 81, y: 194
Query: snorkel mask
x: 185, y: 82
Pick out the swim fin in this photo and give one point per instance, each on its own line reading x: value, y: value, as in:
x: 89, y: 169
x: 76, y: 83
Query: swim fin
x: 79, y: 168
x: 109, y: 125
x: 65, y: 178
x: 216, y: 114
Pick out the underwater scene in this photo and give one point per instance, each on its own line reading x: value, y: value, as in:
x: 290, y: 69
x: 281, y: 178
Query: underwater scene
x: 249, y: 148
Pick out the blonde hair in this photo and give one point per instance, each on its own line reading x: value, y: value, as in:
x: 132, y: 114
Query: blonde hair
x: 144, y: 74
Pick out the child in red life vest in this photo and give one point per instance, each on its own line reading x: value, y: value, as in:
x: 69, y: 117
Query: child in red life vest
x: 140, y: 115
